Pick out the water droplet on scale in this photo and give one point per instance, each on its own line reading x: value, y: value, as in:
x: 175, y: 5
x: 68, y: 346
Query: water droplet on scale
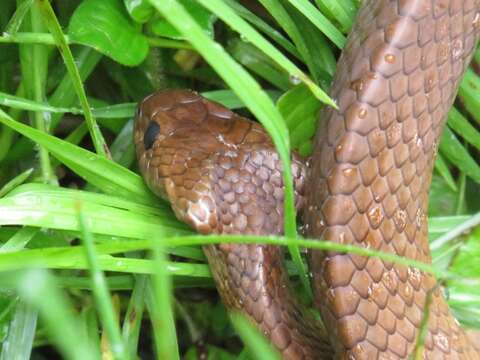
x: 400, y: 219
x: 390, y: 58
x: 375, y: 216
x: 415, y: 275
x: 357, y: 85
x: 419, y: 218
x: 442, y: 341
x: 457, y: 49
x: 418, y: 140
x: 435, y: 148
x: 408, y: 291
x: 388, y: 280
x: 347, y: 171
x: 476, y: 20
x: 294, y: 79
x: 320, y: 224
x: 362, y: 113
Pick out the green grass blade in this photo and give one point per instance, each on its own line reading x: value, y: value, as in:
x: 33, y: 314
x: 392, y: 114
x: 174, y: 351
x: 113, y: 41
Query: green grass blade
x: 442, y: 168
x: 282, y: 17
x: 441, y: 224
x: 225, y: 13
x: 463, y: 128
x: 163, y: 321
x: 322, y: 62
x: 54, y: 208
x: 34, y: 67
x: 320, y: 21
x: 73, y: 258
x: 99, y: 171
x: 258, y: 346
x: 455, y: 152
x: 469, y: 93
x: 336, y: 11
x: 470, y: 223
x: 89, y: 319
x: 349, y: 6
x: 40, y: 73
x: 14, y: 260
x: 40, y: 290
x: 125, y: 110
x: 17, y: 18
x: 300, y: 111
x: 101, y: 292
x: 249, y: 91
x: 264, y: 27
x: 55, y: 29
x: 134, y: 315
x: 258, y: 63
x: 18, y: 241
x: 65, y: 93
x: 21, y: 332
x: 16, y: 181
x: 115, y: 283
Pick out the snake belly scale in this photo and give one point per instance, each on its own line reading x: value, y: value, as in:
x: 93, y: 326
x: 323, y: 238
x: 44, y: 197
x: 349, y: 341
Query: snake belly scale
x: 367, y: 185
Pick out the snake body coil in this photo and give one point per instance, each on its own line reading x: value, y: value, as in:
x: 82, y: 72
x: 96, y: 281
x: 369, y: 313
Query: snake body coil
x: 368, y: 185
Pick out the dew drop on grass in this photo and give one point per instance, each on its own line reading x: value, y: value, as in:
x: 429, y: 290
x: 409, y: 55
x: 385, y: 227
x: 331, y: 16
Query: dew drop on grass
x: 294, y: 79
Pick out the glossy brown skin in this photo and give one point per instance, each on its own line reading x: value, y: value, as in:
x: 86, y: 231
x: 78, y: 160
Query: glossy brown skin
x: 368, y: 186
x: 373, y: 160
x: 222, y: 175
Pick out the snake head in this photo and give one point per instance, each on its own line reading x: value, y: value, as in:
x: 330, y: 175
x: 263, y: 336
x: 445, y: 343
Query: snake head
x: 219, y: 171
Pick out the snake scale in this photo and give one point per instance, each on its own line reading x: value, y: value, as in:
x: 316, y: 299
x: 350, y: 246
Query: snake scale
x: 366, y: 184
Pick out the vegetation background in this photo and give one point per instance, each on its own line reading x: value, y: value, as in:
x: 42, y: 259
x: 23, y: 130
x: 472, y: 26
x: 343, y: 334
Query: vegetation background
x: 80, y: 233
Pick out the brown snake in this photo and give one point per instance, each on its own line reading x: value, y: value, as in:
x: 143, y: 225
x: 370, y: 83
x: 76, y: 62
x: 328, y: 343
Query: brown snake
x: 368, y: 186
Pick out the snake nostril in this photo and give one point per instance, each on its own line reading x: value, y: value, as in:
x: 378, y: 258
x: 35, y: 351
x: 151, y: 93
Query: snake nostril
x: 150, y: 135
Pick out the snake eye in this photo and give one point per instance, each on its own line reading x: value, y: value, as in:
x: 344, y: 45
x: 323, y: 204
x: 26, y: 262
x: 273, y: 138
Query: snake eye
x: 150, y: 134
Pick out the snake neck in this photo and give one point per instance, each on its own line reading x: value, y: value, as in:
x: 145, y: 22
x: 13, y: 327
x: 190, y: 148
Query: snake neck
x: 371, y: 171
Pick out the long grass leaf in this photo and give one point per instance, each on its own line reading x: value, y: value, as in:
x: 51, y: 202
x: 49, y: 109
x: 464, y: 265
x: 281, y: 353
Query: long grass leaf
x: 38, y: 206
x: 463, y: 128
x: 39, y: 289
x: 21, y: 332
x: 225, y: 13
x: 335, y: 10
x: 134, y: 315
x: 249, y: 91
x: 258, y: 346
x: 100, y: 291
x: 320, y: 21
x: 164, y: 328
x: 99, y: 171
x: 56, y: 30
x: 453, y: 150
x: 264, y: 27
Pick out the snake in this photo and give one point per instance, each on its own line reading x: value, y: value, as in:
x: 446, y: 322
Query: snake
x: 365, y: 184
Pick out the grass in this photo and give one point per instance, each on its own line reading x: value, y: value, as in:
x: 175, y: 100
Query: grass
x: 93, y: 265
